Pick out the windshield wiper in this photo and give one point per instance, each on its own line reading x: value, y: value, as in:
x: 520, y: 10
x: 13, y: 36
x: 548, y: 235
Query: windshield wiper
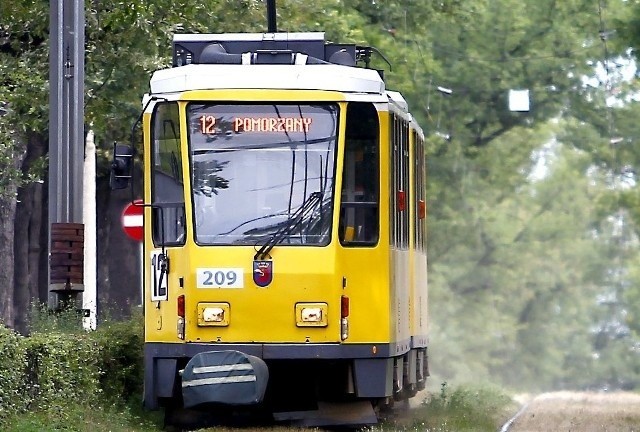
x: 307, y: 206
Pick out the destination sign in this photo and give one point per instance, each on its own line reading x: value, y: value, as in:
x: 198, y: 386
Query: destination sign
x: 259, y: 124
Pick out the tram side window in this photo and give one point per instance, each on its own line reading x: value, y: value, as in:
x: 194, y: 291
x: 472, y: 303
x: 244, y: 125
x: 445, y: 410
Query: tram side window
x: 359, y: 212
x: 167, y: 189
x: 421, y: 206
x: 399, y: 182
x: 404, y: 210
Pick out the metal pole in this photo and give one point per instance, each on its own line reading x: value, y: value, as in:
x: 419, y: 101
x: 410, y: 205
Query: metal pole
x: 66, y: 149
x: 271, y: 16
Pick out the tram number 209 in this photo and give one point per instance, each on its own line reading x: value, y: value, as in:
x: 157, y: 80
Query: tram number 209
x: 219, y: 278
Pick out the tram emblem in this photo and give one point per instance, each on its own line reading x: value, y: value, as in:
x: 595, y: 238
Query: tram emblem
x: 262, y: 272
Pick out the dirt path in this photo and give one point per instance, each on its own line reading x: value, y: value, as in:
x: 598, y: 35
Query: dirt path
x: 578, y: 412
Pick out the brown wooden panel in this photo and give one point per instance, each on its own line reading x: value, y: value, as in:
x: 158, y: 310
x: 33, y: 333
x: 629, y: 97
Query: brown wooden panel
x: 73, y: 237
x: 68, y: 268
x: 66, y: 272
x: 60, y: 247
x: 67, y: 255
x: 67, y: 232
x: 57, y: 280
x: 69, y: 252
x: 55, y: 260
x: 66, y: 286
x: 60, y: 268
x: 67, y: 225
x: 64, y: 260
x: 75, y: 276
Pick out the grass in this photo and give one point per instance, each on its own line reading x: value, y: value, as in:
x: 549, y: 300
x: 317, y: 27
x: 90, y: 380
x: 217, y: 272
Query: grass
x: 80, y: 418
x: 458, y: 410
x: 91, y: 382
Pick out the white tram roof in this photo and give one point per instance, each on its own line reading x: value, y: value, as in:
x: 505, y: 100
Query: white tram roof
x: 398, y: 99
x: 234, y: 37
x: 267, y: 76
x: 346, y: 79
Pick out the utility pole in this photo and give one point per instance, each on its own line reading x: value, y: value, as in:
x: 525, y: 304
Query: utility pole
x: 66, y: 152
x: 272, y: 26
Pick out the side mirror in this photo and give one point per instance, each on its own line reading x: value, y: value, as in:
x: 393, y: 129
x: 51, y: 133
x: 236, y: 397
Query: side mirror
x: 121, y: 166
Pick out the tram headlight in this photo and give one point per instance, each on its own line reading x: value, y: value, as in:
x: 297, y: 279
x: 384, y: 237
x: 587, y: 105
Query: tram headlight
x: 311, y: 314
x: 213, y: 314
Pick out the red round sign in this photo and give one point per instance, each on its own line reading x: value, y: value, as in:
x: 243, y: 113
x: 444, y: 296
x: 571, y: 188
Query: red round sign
x: 132, y: 220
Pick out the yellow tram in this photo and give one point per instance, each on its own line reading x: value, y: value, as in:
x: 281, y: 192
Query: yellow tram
x: 285, y: 231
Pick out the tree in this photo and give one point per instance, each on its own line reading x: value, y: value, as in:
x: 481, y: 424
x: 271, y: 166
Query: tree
x: 125, y: 43
x: 23, y: 32
x: 509, y: 273
x: 523, y: 207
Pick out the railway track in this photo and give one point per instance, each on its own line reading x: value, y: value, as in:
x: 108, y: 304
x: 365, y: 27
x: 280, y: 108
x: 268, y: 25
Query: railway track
x: 547, y: 412
x: 577, y: 412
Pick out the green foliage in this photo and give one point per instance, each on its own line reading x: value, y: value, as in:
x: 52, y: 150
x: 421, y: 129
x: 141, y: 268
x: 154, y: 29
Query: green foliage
x: 12, y: 379
x: 23, y: 88
x: 62, y: 375
x: 458, y: 410
x: 46, y: 372
x: 531, y: 282
x: 83, y: 418
x: 121, y: 358
x: 465, y: 409
x: 43, y: 320
x: 61, y: 369
x: 118, y: 347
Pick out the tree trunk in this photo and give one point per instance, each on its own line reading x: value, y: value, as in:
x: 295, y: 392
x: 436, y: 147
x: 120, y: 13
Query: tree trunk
x: 7, y: 219
x: 28, y: 245
x: 7, y: 212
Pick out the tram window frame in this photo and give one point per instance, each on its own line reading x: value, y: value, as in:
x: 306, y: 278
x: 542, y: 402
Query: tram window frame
x: 360, y: 196
x: 420, y: 192
x: 168, y: 217
x: 405, y: 183
x: 392, y: 180
x: 393, y: 196
x: 399, y: 182
x: 326, y: 116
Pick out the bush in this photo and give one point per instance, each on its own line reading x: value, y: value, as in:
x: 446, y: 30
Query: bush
x: 61, y: 372
x: 12, y: 380
x: 61, y: 369
x: 46, y: 373
x: 121, y: 357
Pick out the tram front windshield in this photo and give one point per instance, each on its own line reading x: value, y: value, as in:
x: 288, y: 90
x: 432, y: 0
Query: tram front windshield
x: 259, y: 171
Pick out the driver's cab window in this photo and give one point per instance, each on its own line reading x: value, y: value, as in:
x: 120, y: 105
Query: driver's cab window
x: 359, y: 211
x: 167, y: 188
